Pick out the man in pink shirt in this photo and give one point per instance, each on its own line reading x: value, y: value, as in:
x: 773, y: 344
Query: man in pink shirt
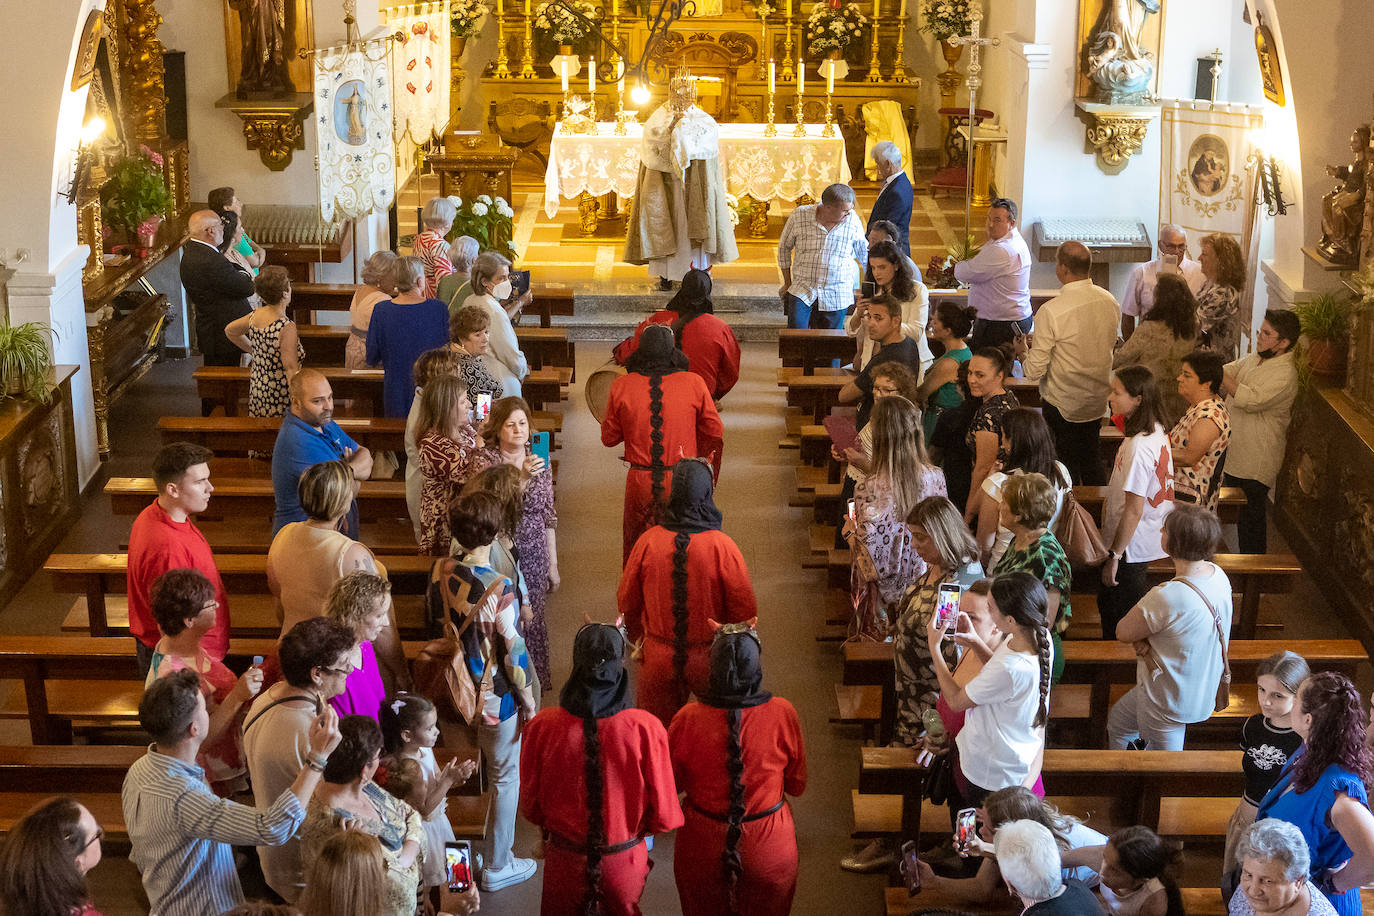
x: 164, y: 537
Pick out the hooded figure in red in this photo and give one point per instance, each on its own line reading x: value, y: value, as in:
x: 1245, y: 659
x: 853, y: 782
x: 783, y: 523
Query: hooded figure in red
x: 662, y: 413
x: 736, y: 753
x: 710, y: 346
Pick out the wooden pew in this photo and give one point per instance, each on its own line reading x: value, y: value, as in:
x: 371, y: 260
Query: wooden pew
x: 309, y: 299
x: 59, y: 768
x: 811, y: 348
x: 325, y: 345
x: 96, y: 575
x: 227, y: 386
x: 377, y: 499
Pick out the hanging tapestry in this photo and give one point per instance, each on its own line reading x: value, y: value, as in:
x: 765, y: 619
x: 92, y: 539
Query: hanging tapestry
x: 353, y: 133
x: 420, y: 72
x: 1207, y: 176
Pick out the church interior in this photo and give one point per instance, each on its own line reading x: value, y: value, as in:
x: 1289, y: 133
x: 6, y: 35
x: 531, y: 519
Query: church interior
x: 1103, y: 120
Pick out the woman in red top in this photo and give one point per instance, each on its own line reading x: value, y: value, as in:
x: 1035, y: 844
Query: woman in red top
x: 735, y: 754
x: 45, y: 858
x: 596, y: 780
x: 711, y: 348
x: 680, y: 575
x: 661, y: 412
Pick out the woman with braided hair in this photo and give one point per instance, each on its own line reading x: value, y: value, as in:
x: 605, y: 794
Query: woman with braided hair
x: 1002, y: 742
x: 662, y: 413
x: 596, y: 779
x: 736, y: 753
x: 710, y: 346
x: 681, y: 574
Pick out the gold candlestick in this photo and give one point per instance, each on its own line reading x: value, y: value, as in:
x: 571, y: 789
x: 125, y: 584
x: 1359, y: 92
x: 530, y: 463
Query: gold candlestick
x: 801, y: 119
x: 899, y: 59
x: 502, y: 61
x: 527, y: 62
x: 787, y: 74
x: 829, y: 130
x: 875, y: 74
x: 772, y: 129
x: 763, y: 46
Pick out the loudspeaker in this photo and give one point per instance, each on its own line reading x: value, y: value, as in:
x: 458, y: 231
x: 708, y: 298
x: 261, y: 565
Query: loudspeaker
x: 174, y: 82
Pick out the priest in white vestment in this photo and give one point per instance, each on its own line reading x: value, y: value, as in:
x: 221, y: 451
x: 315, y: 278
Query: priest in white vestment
x: 681, y: 218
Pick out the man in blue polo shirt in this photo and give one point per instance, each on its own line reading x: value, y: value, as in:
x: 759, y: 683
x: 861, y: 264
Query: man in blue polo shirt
x: 309, y: 436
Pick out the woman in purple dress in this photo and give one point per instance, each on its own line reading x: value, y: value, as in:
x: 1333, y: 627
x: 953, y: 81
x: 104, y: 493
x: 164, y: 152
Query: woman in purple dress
x: 507, y: 428
x: 362, y: 602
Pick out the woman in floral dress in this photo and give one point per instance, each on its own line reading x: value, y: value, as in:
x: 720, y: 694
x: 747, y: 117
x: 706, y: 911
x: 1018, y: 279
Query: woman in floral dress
x: 507, y: 434
x: 470, y: 332
x: 884, y: 561
x: 1199, y: 440
x: 450, y: 452
x: 270, y: 337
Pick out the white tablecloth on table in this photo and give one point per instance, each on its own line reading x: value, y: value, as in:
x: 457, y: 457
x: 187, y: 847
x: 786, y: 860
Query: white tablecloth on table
x: 782, y: 167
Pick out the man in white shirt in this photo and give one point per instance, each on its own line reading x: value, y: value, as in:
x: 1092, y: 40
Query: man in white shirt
x: 999, y: 280
x: 1071, y: 355
x: 1173, y: 258
x: 1259, y: 393
x: 821, y: 253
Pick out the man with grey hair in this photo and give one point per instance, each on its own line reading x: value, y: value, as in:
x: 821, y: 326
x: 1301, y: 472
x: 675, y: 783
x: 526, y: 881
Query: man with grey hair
x: 998, y: 279
x: 1173, y: 259
x: 894, y: 199
x: 1028, y: 857
x: 217, y: 288
x: 1274, y: 864
x: 821, y: 254
x: 457, y: 286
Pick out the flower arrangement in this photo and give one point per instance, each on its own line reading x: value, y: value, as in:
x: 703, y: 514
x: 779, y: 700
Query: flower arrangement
x: 135, y: 191
x: 490, y: 221
x: 562, y: 27
x: 834, y: 27
x: 940, y: 269
x: 465, y: 17
x: 945, y: 18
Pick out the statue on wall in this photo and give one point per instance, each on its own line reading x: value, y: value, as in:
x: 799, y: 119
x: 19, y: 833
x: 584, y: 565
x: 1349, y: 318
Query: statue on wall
x: 262, y: 30
x: 1343, y: 205
x: 1120, y: 67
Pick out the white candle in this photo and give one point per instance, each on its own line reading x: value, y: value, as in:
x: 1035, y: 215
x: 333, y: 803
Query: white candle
x: 801, y: 76
x: 527, y: 9
x: 875, y: 13
x: 591, y: 76
x: 563, y: 72
x: 771, y: 70
x: 615, y: 7
x: 902, y: 14
x: 830, y: 79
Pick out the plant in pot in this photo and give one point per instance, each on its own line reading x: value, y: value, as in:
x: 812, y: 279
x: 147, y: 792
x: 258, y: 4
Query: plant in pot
x: 465, y: 21
x: 940, y: 270
x: 1326, y: 321
x: 134, y: 198
x: 26, y: 361
x: 833, y: 26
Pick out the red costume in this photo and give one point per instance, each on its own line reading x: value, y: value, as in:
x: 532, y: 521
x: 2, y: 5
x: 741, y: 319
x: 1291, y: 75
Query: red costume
x: 675, y: 405
x: 774, y: 764
x: 157, y: 544
x: 639, y: 799
x: 718, y: 588
x: 711, y: 348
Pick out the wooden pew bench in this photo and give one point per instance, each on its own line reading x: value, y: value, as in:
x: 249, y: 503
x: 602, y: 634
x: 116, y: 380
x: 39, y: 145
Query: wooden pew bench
x: 325, y: 345
x: 385, y: 538
x: 810, y: 349
x: 308, y: 300
x: 59, y: 768
x: 377, y: 499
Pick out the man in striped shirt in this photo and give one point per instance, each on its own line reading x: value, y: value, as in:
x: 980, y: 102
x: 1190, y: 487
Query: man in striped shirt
x: 821, y: 253
x: 180, y: 831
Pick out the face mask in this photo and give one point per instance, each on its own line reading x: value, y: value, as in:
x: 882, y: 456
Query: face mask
x: 501, y: 290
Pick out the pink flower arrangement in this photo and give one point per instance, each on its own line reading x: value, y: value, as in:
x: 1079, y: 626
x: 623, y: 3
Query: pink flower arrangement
x: 152, y: 155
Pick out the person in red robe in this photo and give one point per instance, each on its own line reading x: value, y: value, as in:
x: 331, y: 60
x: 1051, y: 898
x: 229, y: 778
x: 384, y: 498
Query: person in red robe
x: 662, y: 413
x: 710, y: 346
x: 595, y: 778
x: 736, y: 754
x: 682, y: 573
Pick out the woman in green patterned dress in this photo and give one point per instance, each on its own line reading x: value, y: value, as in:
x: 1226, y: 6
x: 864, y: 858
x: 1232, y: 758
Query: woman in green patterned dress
x: 1028, y: 503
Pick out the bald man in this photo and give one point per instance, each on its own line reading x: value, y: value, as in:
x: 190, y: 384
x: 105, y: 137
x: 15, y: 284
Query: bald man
x: 215, y: 286
x: 1070, y: 353
x: 310, y: 436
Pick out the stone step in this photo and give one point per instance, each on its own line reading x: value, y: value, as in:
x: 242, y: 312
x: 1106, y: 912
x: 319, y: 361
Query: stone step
x: 617, y: 325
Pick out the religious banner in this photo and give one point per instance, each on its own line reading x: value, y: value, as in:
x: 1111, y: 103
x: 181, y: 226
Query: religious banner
x: 1207, y: 174
x: 353, y: 132
x: 420, y: 72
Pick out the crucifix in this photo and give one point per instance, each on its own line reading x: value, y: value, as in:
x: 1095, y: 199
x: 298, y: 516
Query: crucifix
x: 975, y: 43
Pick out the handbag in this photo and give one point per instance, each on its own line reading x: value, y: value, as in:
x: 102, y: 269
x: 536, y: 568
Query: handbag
x: 1224, y: 685
x: 440, y: 671
x: 1077, y: 534
x: 939, y: 779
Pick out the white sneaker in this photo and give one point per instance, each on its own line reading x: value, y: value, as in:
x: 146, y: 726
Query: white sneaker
x: 517, y: 871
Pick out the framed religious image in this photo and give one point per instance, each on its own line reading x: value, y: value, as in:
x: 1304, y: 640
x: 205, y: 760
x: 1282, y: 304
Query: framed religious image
x: 1271, y: 73
x: 1209, y: 165
x: 1119, y: 47
x: 91, y: 33
x: 270, y: 32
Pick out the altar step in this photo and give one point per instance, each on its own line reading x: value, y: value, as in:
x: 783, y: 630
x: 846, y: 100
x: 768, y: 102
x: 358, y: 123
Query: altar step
x: 610, y: 309
x: 616, y: 326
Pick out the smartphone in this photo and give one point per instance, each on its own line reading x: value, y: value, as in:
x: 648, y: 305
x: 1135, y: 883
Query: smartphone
x: 519, y: 282
x: 257, y: 660
x: 868, y: 289
x: 947, y: 605
x: 1170, y: 264
x: 851, y: 510
x: 911, y: 871
x: 539, y: 445
x: 965, y: 827
x: 458, y: 865
x: 483, y: 406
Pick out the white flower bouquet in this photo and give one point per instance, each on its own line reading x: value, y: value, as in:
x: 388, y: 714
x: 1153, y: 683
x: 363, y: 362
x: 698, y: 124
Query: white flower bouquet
x: 465, y: 17
x: 945, y: 18
x: 562, y: 27
x: 490, y: 221
x: 829, y: 28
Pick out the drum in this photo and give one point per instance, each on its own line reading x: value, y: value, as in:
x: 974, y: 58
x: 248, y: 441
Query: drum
x: 598, y: 387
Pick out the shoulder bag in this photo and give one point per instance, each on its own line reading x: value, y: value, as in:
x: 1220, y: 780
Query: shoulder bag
x: 1224, y: 686
x: 1077, y: 534
x: 440, y: 671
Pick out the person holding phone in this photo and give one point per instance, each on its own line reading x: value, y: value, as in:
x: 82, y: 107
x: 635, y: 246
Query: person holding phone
x: 507, y: 434
x: 892, y: 274
x: 470, y: 331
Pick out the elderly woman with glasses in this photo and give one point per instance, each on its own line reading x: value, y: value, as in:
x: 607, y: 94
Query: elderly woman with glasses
x: 1274, y: 864
x: 184, y: 607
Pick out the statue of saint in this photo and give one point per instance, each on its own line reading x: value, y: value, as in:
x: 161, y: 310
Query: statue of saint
x: 262, y: 30
x: 1343, y: 205
x: 681, y: 218
x: 1119, y: 65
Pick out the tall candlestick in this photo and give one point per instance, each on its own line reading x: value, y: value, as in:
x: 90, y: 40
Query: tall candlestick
x: 830, y: 79
x: 801, y: 76
x: 787, y: 48
x: 772, y: 70
x: 771, y: 130
x: 875, y: 13
x: 527, y: 60
x: 502, y: 62
x: 591, y: 76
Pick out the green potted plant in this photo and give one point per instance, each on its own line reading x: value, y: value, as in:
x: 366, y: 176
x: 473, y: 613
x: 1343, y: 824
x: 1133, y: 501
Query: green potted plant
x: 25, y: 360
x: 134, y: 198
x: 832, y: 27
x: 940, y: 270
x: 490, y: 221
x: 1326, y: 321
